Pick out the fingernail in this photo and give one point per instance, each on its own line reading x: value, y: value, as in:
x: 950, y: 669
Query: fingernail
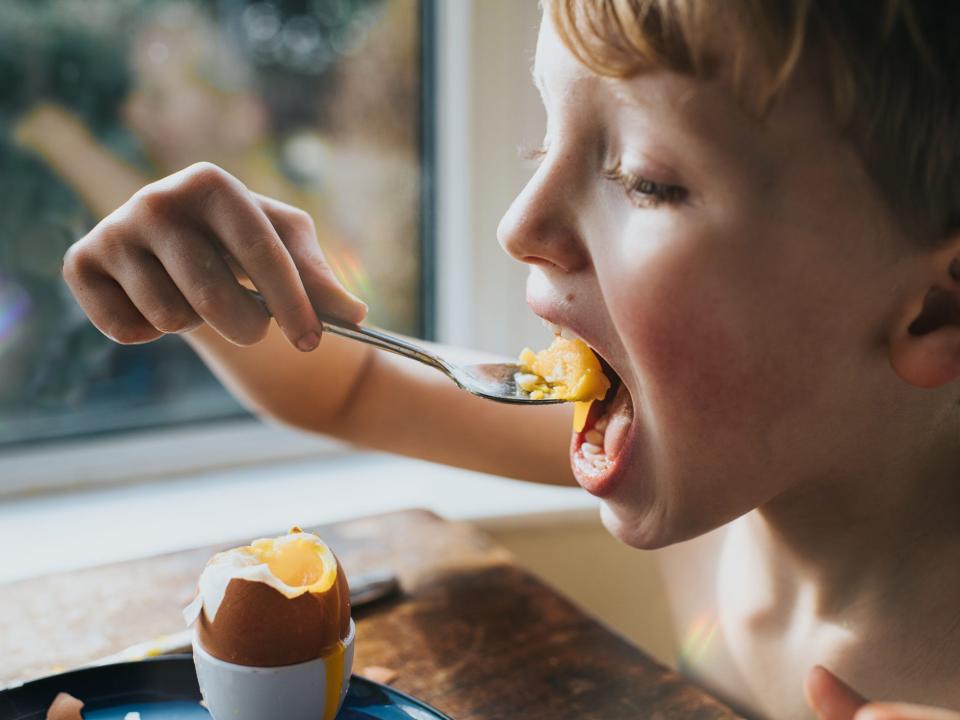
x: 308, y: 342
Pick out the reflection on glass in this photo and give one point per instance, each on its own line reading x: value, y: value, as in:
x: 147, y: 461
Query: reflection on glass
x: 313, y: 102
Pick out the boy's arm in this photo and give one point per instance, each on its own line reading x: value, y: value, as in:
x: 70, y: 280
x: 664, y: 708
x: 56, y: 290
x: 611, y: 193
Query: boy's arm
x: 373, y: 398
x: 168, y: 261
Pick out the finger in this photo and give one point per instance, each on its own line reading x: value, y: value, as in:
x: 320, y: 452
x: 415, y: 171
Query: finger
x: 201, y: 275
x: 110, y: 310
x: 156, y: 296
x: 234, y: 217
x: 904, y: 711
x: 296, y: 229
x: 829, y: 697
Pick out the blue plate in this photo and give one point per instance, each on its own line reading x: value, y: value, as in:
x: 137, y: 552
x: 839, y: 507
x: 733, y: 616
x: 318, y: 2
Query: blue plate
x: 165, y: 688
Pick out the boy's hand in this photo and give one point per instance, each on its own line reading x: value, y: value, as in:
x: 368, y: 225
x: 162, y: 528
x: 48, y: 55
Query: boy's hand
x: 161, y: 263
x: 832, y: 699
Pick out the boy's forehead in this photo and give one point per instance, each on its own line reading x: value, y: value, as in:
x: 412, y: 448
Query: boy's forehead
x: 554, y: 65
x: 707, y: 109
x: 558, y: 74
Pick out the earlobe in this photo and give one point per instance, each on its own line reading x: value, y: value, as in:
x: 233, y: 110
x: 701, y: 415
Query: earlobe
x: 925, y: 347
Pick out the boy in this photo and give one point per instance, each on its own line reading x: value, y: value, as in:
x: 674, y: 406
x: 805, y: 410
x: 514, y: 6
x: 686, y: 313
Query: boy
x: 742, y: 207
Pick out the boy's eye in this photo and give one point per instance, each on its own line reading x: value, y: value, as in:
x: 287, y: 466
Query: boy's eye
x: 644, y: 192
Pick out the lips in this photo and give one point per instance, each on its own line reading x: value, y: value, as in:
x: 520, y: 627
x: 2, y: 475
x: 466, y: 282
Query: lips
x: 600, y: 452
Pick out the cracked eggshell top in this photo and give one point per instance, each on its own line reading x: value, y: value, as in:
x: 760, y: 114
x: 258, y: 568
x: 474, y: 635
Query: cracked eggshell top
x: 278, y: 601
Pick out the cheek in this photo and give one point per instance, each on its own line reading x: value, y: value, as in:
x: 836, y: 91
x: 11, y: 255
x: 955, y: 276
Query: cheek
x: 718, y: 369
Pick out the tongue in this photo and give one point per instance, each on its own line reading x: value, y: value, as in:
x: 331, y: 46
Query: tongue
x: 620, y: 413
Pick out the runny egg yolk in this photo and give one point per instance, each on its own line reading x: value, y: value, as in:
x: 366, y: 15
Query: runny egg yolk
x: 298, y: 563
x: 334, y: 683
x: 567, y: 370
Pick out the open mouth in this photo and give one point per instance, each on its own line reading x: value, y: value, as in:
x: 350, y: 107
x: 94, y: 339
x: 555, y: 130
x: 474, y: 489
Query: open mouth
x: 599, y: 450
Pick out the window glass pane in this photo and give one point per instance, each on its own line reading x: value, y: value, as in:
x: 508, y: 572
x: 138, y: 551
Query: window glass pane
x: 314, y: 102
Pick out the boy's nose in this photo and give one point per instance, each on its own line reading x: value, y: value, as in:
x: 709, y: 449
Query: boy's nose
x: 540, y: 226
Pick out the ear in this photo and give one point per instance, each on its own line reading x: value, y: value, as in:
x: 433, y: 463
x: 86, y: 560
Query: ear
x: 925, y: 344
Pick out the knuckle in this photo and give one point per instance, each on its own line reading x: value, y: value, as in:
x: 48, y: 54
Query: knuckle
x: 76, y: 263
x: 157, y: 200
x: 262, y: 250
x: 171, y: 320
x: 207, y: 299
x: 205, y: 172
x: 111, y: 239
x: 302, y: 221
x: 252, y: 333
x: 127, y: 334
x: 322, y: 266
x: 292, y: 308
x: 205, y: 181
x: 194, y: 186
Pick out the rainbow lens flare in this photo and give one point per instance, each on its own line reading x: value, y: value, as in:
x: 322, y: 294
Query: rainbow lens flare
x: 15, y: 306
x: 699, y: 639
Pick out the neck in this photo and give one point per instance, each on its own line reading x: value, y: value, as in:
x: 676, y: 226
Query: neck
x: 878, y: 538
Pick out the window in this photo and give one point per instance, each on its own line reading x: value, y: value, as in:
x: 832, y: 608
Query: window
x: 316, y: 102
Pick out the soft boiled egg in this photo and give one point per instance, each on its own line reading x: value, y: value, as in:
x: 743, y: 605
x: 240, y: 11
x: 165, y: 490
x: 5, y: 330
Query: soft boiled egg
x: 567, y: 370
x: 272, y: 627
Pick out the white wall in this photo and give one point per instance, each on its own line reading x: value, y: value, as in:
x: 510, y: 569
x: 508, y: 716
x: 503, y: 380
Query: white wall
x: 492, y: 43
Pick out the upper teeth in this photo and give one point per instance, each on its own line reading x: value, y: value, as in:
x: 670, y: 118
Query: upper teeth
x: 552, y: 327
x: 563, y: 332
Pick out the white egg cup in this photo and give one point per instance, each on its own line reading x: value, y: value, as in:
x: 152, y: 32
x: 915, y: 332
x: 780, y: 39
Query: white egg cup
x: 291, y: 692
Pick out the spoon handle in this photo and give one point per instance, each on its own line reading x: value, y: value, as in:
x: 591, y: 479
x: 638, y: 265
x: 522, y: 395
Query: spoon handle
x: 371, y: 336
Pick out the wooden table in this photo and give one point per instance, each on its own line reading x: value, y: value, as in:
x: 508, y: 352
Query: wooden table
x: 472, y: 633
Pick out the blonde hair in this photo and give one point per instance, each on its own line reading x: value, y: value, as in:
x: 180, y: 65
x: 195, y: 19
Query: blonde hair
x: 889, y: 67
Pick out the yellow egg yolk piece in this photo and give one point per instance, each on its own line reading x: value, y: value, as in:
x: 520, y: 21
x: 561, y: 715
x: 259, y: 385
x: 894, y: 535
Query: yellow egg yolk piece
x: 567, y: 370
x: 296, y: 563
x: 300, y: 563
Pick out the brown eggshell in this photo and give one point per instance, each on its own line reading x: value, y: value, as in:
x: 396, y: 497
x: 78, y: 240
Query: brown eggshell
x: 259, y: 626
x: 65, y: 707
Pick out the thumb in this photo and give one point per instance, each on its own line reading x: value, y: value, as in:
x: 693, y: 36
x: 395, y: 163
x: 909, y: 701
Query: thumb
x: 829, y: 697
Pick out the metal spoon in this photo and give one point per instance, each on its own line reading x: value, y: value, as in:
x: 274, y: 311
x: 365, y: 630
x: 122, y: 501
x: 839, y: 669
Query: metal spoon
x: 493, y: 381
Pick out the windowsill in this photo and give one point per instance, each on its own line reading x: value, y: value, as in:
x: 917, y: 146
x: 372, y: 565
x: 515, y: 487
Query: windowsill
x: 71, y: 530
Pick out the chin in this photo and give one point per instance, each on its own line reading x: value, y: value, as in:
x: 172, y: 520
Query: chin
x: 644, y: 530
x: 653, y: 527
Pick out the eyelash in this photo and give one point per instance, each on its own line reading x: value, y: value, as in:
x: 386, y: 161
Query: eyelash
x: 644, y: 192
x: 641, y: 191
